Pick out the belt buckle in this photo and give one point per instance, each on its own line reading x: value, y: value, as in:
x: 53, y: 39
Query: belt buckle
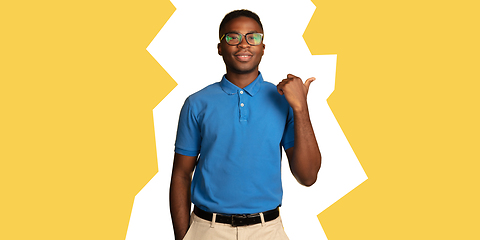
x: 238, y: 220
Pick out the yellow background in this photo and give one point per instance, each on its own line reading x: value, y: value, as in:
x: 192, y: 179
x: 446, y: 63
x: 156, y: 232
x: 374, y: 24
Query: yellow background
x: 78, y: 88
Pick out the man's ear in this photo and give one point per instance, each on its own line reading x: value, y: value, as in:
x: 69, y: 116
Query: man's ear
x: 263, y: 50
x: 219, y: 49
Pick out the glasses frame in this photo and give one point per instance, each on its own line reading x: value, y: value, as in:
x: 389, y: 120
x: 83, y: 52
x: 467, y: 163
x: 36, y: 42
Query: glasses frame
x: 241, y: 37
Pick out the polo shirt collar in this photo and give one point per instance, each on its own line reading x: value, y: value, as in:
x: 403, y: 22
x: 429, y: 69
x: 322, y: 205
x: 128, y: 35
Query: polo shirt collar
x: 251, y: 89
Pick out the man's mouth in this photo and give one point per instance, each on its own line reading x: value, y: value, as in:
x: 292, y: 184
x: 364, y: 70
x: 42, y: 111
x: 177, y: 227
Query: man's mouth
x: 243, y: 56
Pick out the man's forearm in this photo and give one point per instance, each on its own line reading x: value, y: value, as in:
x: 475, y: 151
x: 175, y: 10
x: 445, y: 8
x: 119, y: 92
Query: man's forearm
x: 306, y: 154
x: 180, y: 204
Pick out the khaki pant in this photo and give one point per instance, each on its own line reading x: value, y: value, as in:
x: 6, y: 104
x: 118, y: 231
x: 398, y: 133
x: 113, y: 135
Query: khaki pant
x: 201, y: 229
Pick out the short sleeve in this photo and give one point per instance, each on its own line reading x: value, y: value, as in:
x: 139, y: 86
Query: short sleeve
x: 188, y: 140
x: 289, y: 132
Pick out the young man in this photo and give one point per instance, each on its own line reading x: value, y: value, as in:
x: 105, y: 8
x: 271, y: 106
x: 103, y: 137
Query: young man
x: 232, y: 132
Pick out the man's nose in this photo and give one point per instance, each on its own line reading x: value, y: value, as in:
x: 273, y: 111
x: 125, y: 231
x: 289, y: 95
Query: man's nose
x: 243, y: 43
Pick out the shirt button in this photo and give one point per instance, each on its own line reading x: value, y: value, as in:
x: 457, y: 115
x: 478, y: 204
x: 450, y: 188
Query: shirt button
x: 241, y: 92
x: 241, y: 104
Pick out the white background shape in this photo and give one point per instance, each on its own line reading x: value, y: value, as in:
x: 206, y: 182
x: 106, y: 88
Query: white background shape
x: 196, y: 65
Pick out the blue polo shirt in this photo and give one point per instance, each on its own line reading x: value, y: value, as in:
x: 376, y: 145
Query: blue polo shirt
x: 239, y: 134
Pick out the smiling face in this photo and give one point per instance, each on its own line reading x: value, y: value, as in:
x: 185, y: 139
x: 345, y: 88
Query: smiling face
x: 242, y: 58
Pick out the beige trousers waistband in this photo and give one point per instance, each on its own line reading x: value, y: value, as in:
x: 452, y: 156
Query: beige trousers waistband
x: 201, y: 229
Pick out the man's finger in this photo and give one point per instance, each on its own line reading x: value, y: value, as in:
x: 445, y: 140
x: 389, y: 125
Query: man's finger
x: 309, y: 81
x: 291, y: 76
x: 279, y: 86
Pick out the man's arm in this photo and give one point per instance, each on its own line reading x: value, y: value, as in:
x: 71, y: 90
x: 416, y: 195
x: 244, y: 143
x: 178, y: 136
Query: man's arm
x: 304, y: 157
x: 180, y: 202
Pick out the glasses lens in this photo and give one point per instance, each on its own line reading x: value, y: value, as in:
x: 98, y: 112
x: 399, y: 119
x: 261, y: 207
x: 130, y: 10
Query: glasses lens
x: 233, y: 38
x: 254, y: 38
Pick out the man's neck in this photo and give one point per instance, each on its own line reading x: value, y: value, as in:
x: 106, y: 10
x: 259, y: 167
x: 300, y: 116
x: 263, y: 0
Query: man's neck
x: 242, y: 80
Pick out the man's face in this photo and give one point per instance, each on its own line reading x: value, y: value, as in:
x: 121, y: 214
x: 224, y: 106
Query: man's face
x: 243, y: 58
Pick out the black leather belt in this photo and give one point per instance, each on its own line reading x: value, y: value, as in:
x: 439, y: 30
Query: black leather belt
x: 238, y: 219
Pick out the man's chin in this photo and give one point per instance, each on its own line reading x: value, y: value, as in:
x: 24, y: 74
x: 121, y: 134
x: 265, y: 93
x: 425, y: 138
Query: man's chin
x: 244, y: 71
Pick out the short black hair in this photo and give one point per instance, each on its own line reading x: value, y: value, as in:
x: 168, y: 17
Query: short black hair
x: 239, y: 13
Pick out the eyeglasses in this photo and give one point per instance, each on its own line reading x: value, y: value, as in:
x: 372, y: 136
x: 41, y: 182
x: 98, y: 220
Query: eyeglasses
x: 234, y: 38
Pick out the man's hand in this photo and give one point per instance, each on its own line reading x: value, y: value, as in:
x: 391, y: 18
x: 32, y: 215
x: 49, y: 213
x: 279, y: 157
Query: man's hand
x: 295, y: 91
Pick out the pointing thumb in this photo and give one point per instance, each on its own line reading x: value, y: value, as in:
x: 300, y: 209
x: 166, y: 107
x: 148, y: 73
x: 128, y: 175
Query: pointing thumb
x: 308, y: 82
